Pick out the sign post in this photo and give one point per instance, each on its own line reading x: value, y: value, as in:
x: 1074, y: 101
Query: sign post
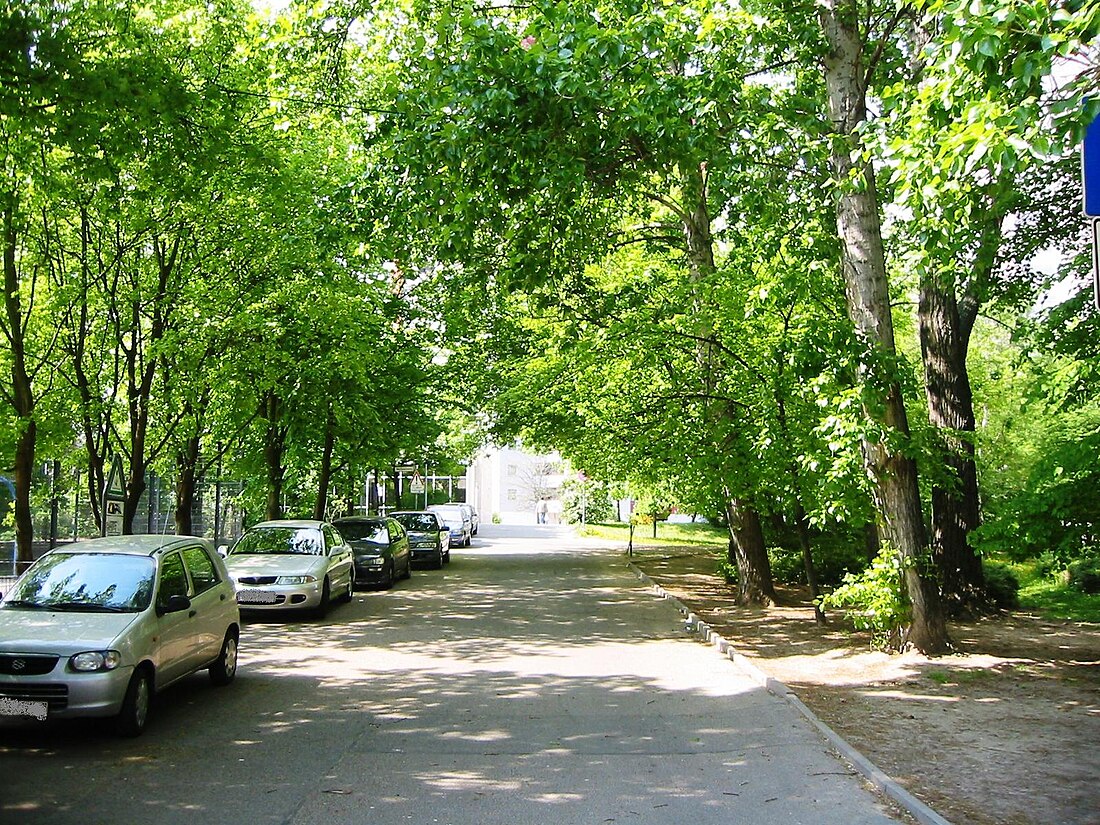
x: 417, y: 486
x: 114, y: 497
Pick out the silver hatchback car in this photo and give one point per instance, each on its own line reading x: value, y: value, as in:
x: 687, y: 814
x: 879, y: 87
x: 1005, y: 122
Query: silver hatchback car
x: 98, y: 627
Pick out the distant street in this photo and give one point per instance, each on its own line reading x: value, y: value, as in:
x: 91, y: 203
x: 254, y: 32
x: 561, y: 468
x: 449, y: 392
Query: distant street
x: 533, y: 681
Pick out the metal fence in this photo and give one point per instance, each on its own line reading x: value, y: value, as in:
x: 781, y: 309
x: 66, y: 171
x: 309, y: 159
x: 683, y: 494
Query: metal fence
x: 218, y: 512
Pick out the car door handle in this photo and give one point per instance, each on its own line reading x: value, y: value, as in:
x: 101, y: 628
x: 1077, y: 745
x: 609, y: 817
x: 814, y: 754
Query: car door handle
x: 192, y: 614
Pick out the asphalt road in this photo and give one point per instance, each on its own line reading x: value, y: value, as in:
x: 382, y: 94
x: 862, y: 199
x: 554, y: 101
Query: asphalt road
x: 531, y: 681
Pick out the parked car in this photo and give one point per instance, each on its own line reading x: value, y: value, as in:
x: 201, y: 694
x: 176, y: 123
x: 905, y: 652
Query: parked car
x: 291, y: 565
x: 429, y: 537
x: 97, y: 627
x: 471, y: 514
x: 380, y: 547
x: 457, y: 521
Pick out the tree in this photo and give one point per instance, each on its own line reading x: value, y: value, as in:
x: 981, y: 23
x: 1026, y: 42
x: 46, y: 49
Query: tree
x: 958, y: 136
x: 889, y: 457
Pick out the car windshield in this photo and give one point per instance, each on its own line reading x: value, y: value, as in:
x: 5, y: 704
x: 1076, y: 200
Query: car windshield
x: 364, y: 531
x: 304, y: 541
x: 450, y: 514
x: 420, y: 522
x: 91, y: 582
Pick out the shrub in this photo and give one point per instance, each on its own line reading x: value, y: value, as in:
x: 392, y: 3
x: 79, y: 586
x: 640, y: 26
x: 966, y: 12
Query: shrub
x: 787, y: 566
x: 728, y: 571
x: 1084, y: 575
x: 590, y: 499
x: 875, y: 600
x: 1001, y: 585
x: 834, y: 557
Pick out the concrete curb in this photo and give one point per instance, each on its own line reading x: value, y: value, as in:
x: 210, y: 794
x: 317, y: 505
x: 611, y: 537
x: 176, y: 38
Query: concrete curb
x: 917, y: 809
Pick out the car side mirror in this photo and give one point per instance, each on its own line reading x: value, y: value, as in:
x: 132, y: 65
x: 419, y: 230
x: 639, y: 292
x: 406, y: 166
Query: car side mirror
x: 223, y: 550
x: 175, y: 604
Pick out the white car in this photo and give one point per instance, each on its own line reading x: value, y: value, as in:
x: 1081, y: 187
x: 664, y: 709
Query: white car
x: 291, y: 565
x: 97, y: 627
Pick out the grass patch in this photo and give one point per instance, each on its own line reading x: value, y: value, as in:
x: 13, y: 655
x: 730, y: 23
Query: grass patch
x: 1052, y: 597
x: 955, y: 677
x: 688, y: 535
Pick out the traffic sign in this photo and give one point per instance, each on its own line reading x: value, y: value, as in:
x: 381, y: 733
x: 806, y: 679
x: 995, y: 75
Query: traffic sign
x: 1090, y: 169
x: 115, y: 481
x: 416, y: 485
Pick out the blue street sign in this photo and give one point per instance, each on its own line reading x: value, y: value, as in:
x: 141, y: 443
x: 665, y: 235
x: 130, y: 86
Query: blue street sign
x: 1090, y: 168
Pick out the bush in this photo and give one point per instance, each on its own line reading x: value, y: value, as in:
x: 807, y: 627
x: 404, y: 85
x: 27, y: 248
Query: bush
x: 1001, y: 585
x: 834, y: 558
x: 590, y: 499
x: 728, y: 571
x: 875, y: 600
x: 1084, y: 575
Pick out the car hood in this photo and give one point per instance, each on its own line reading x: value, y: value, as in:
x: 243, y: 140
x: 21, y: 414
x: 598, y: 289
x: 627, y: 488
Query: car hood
x: 286, y: 564
x: 64, y: 632
x: 367, y: 548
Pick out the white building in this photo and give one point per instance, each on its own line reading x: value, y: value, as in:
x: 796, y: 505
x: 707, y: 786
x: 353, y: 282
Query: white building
x: 507, y: 483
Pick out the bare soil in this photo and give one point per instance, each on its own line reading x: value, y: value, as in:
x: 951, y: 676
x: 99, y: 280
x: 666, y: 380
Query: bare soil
x: 1004, y: 732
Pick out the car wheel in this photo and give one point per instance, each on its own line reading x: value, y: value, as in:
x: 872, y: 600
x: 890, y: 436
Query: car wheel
x: 447, y: 556
x: 326, y: 595
x: 135, y: 706
x: 350, y: 594
x: 225, y: 667
x: 408, y: 567
x: 438, y: 564
x: 387, y: 579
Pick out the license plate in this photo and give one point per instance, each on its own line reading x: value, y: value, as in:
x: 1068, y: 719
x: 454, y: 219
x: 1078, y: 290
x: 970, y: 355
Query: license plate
x: 15, y: 707
x: 256, y: 597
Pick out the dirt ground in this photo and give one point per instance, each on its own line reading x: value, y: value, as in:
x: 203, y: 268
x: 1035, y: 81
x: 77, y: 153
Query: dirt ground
x: 1004, y: 732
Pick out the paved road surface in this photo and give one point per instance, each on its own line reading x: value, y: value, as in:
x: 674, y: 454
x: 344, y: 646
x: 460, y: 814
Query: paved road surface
x: 533, y: 681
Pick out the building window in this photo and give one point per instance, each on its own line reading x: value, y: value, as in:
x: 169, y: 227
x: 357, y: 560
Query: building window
x: 511, y: 495
x: 512, y: 469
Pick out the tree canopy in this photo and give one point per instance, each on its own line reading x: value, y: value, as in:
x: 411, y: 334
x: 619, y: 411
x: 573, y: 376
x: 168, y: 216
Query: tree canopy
x: 772, y: 259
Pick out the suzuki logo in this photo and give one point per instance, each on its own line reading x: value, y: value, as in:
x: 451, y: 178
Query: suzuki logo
x: 18, y: 665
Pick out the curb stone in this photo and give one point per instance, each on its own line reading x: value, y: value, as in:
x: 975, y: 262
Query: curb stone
x: 920, y: 811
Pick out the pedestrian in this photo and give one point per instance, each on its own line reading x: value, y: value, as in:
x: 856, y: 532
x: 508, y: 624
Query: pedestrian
x: 540, y: 511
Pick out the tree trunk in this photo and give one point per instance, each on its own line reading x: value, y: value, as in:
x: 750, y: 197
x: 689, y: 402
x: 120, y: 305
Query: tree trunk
x: 187, y: 459
x: 22, y: 392
x: 748, y: 551
x: 802, y: 525
x: 325, y: 474
x: 867, y: 292
x: 274, y: 448
x: 951, y: 411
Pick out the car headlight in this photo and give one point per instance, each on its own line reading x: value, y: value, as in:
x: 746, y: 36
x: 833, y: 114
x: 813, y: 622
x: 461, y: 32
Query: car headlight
x: 295, y: 579
x: 94, y: 660
x: 372, y: 561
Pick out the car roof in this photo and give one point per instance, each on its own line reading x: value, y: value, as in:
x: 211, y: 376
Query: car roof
x: 141, y: 545
x: 358, y: 519
x: 291, y: 522
x: 413, y: 513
